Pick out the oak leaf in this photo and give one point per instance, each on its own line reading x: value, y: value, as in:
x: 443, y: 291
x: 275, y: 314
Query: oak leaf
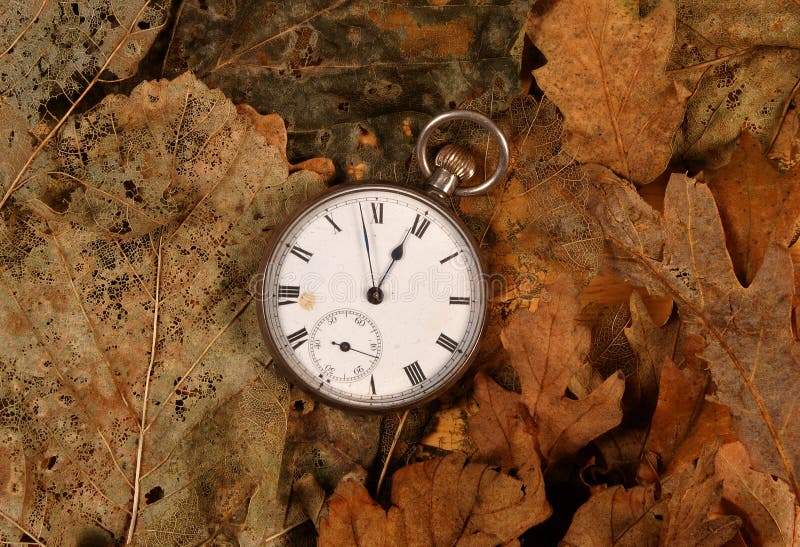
x: 681, y: 515
x: 617, y: 516
x: 138, y: 400
x: 691, y: 493
x: 750, y: 348
x: 767, y: 507
x: 757, y: 203
x: 606, y: 72
x: 498, y: 428
x: 652, y: 344
x: 546, y: 348
x: 447, y: 501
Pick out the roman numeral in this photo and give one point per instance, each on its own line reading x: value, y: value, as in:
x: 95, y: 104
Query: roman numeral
x: 377, y: 213
x: 420, y: 225
x: 298, y: 338
x: 372, y: 385
x: 301, y: 253
x: 336, y: 228
x: 459, y: 300
x: 445, y: 259
x: 288, y: 291
x: 447, y: 343
x: 414, y: 373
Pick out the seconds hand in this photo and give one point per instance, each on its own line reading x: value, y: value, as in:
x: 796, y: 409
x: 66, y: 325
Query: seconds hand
x: 344, y: 346
x: 366, y: 244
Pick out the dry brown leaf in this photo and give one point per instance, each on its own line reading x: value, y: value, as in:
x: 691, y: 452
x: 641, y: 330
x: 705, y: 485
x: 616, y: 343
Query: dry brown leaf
x: 50, y: 50
x: 742, y: 62
x: 128, y: 327
x: 546, y: 349
x: 637, y: 517
x: 681, y: 398
x: 767, y: 507
x: 606, y: 72
x: 610, y: 350
x: 617, y: 516
x: 750, y: 347
x: 691, y: 494
x: 608, y: 290
x: 499, y: 428
x: 446, y: 501
x: 757, y: 203
x: 52, y: 54
x: 652, y: 344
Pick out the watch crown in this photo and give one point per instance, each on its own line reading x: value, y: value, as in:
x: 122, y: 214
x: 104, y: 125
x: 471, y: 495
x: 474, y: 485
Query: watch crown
x: 457, y: 160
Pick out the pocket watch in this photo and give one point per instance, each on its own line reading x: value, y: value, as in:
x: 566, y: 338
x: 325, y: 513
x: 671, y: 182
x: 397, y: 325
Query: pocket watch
x: 373, y: 296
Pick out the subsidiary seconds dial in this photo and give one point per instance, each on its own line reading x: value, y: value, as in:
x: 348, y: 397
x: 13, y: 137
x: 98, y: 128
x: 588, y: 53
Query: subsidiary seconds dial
x: 345, y: 346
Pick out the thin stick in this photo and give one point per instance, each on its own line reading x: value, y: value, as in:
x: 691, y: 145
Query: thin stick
x: 137, y: 476
x: 389, y: 454
x: 21, y: 529
x: 286, y: 530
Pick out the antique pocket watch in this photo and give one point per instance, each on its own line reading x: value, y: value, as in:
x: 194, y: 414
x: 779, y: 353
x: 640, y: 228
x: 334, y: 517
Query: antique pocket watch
x: 373, y: 296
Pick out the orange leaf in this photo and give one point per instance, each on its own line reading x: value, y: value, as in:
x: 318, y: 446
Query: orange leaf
x: 606, y: 72
x: 757, y: 204
x: 546, y: 349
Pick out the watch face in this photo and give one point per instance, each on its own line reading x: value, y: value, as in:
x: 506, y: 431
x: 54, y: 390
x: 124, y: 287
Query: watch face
x: 373, y: 297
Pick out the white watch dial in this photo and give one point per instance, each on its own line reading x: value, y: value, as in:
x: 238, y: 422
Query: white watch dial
x: 374, y: 297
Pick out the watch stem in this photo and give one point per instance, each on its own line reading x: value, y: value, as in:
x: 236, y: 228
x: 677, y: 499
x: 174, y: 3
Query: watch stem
x: 457, y: 160
x: 454, y: 164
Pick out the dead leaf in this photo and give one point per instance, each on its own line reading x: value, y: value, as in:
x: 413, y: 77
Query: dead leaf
x: 90, y: 38
x: 767, y: 506
x: 691, y: 494
x: 608, y: 290
x: 606, y: 72
x: 637, y: 516
x: 446, y: 501
x: 757, y: 203
x: 334, y: 69
x: 617, y: 516
x: 128, y: 327
x: 750, y: 347
x: 498, y: 427
x: 52, y: 55
x: 546, y: 349
x: 652, y: 345
x: 741, y: 60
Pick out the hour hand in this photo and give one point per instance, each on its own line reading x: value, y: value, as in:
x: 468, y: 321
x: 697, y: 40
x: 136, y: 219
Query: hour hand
x: 396, y: 254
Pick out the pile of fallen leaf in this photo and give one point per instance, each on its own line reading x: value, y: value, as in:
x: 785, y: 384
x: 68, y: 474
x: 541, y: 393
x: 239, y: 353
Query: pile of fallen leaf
x: 637, y: 383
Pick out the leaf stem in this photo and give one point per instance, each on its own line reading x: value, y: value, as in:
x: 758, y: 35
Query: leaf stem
x: 140, y: 449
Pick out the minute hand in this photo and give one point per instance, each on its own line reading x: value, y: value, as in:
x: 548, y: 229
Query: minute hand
x: 397, y: 254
